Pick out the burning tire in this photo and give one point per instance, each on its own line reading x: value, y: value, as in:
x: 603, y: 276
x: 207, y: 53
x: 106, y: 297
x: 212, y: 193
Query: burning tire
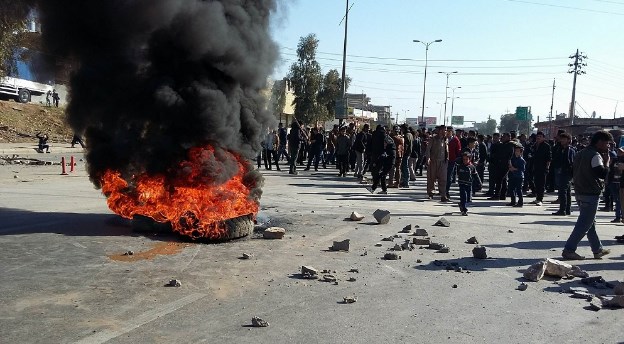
x: 236, y: 228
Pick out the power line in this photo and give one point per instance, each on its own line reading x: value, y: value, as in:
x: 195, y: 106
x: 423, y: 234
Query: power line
x: 463, y: 85
x: 447, y: 60
x: 566, y: 7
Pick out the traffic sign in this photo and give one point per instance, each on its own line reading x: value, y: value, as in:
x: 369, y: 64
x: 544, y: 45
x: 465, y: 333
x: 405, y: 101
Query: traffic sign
x: 522, y: 113
x: 457, y: 120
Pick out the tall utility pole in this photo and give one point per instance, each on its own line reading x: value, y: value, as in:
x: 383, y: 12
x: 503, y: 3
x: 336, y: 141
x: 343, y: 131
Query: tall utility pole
x: 344, y: 61
x: 576, y: 67
x: 446, y: 92
x: 550, y: 117
x: 422, y: 116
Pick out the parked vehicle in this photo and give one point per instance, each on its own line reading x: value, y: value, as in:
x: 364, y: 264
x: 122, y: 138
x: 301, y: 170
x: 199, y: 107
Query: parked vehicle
x: 22, y: 90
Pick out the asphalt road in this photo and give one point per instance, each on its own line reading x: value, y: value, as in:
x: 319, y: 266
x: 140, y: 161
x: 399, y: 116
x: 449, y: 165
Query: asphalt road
x: 64, y: 278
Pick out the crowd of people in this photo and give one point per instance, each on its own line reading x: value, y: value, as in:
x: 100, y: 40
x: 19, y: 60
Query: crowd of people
x: 519, y: 166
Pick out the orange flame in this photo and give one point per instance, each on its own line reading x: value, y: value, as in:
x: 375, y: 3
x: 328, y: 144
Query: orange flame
x: 193, y: 202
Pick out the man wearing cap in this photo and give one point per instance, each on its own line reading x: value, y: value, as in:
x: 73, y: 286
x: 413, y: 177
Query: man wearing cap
x: 454, y: 152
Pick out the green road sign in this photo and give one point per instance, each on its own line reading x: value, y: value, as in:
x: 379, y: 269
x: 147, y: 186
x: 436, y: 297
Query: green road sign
x: 522, y: 113
x: 457, y: 120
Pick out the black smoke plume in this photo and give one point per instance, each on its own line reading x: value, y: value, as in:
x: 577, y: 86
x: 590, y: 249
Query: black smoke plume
x: 156, y: 77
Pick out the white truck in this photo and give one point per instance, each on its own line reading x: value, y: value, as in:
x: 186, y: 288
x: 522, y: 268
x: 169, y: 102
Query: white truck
x: 22, y: 90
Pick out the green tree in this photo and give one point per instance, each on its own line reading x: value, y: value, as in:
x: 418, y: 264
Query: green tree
x: 486, y: 128
x: 330, y: 91
x: 509, y: 122
x: 278, y: 98
x: 306, y: 79
x: 12, y: 24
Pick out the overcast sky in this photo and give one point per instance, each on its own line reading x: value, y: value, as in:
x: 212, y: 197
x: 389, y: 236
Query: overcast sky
x: 506, y: 52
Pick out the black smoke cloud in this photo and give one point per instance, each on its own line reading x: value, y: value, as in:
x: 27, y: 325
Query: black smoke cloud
x: 156, y: 77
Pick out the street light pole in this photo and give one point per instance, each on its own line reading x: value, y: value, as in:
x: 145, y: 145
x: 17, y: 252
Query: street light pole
x: 422, y: 119
x: 453, y: 100
x: 446, y: 91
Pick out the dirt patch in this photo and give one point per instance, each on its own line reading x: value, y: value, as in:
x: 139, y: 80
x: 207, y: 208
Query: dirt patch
x: 19, y: 123
x: 159, y: 249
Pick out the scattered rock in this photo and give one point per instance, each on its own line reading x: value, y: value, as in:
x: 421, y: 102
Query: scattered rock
x: 341, y: 245
x: 576, y: 271
x: 382, y: 216
x: 573, y: 290
x: 357, y: 271
x: 397, y: 247
x: 274, y: 233
x: 129, y: 253
x: 535, y: 272
x: 582, y: 295
x: 15, y: 176
x: 329, y: 278
x: 593, y: 307
x: 349, y: 299
x: 407, y: 229
x: 257, y: 322
x: 247, y: 256
x: 391, y: 256
x: 421, y: 232
x: 444, y: 249
x: 454, y: 286
x: 418, y: 261
x: 522, y: 287
x: 355, y: 216
x: 472, y: 241
x: 352, y: 279
x: 390, y: 238
x: 557, y: 268
x: 510, y: 231
x: 436, y: 246
x: 593, y: 280
x: 309, y: 272
x: 479, y: 252
x: 459, y: 269
x: 421, y: 241
x: 615, y: 302
x: 407, y: 246
x: 174, y: 283
x: 442, y: 222
x: 378, y: 244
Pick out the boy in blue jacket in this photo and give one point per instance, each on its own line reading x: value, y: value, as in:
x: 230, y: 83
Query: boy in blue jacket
x: 517, y: 166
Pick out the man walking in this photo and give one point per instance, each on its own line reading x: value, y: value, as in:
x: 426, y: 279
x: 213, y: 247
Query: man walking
x: 454, y: 152
x: 408, y: 144
x: 295, y: 137
x: 590, y: 169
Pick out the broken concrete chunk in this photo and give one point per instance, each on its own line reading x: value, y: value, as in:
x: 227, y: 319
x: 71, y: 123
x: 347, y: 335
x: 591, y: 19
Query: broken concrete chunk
x: 352, y: 279
x: 397, y: 247
x: 174, y: 283
x: 355, y: 216
x: 247, y: 256
x: 593, y: 280
x: 444, y: 249
x: 479, y: 252
x: 378, y: 244
x: 357, y: 271
x: 390, y: 238
x: 442, y: 222
x: 341, y: 245
x: 582, y: 295
x: 274, y: 233
x: 472, y: 241
x: 576, y: 271
x: 557, y: 268
x: 535, y: 272
x: 615, y: 302
x: 573, y: 290
x: 329, y: 278
x: 382, y: 216
x: 258, y: 322
x: 510, y: 231
x: 407, y: 229
x: 436, y: 246
x: 421, y: 241
x: 421, y: 232
x: 407, y: 246
x: 391, y: 256
x: 522, y: 287
x: 350, y: 299
x: 309, y: 270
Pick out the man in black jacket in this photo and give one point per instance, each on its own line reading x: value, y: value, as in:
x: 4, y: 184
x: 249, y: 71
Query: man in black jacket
x: 381, y: 161
x: 483, y: 157
x: 563, y: 157
x: 500, y: 157
x: 590, y: 169
x: 542, y: 156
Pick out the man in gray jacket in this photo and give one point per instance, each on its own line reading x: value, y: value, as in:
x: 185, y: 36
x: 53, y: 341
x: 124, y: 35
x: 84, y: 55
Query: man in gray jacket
x: 591, y: 166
